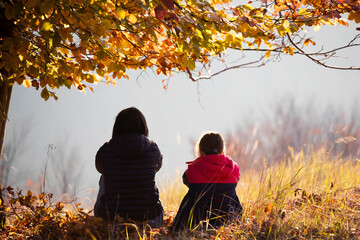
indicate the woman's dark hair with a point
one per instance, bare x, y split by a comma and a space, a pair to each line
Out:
211, 143
130, 120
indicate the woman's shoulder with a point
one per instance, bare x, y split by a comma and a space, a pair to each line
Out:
153, 147
149, 143
133, 143
103, 148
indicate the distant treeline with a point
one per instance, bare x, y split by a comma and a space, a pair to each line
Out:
288, 127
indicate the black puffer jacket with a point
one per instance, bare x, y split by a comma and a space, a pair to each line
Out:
128, 164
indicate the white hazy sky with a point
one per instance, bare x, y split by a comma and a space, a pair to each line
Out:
182, 112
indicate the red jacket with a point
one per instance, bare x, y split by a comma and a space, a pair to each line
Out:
212, 168
212, 181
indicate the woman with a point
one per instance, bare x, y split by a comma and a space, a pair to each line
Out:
128, 164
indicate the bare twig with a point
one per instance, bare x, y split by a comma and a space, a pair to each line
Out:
319, 61
253, 64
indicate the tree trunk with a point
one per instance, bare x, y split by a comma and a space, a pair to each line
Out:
5, 95
7, 27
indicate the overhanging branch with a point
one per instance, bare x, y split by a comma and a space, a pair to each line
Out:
310, 56
253, 64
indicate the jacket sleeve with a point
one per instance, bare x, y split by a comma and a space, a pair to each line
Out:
237, 172
98, 161
185, 180
159, 163
160, 158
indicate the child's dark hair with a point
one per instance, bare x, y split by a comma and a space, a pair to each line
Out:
211, 143
130, 120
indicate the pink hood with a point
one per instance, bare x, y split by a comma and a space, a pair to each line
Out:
213, 168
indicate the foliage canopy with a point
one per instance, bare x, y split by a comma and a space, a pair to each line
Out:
48, 44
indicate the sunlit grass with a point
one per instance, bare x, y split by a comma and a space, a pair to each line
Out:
307, 196
172, 190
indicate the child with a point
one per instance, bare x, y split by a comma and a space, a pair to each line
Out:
212, 179
128, 163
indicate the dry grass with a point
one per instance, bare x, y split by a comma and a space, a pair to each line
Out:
308, 196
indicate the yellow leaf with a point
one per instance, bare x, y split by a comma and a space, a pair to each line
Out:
26, 83
97, 78
110, 4
250, 45
46, 26
302, 11
121, 13
248, 7
267, 54
132, 18
317, 28
286, 24
291, 51
190, 63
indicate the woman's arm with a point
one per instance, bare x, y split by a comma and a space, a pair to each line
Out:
98, 161
159, 163
159, 157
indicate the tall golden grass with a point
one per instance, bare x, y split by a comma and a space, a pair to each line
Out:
306, 196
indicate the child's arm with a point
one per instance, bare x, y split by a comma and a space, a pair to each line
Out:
185, 180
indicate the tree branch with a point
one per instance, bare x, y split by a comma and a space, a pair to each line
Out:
254, 64
317, 60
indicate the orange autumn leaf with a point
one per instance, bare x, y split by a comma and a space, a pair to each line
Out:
268, 207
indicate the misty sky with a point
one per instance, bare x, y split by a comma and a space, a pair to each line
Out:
83, 122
